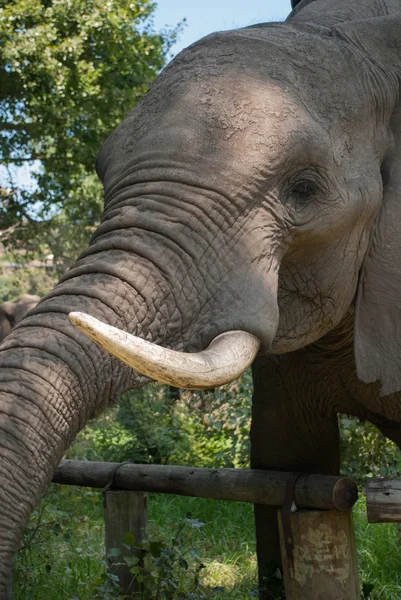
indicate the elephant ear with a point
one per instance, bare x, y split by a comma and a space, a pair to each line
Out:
378, 306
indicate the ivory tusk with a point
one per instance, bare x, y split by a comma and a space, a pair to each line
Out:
225, 359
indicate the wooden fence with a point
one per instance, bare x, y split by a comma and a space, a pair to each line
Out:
315, 522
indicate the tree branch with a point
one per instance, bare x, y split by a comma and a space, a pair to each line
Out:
10, 159
17, 126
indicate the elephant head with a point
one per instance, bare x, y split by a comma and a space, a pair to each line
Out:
11, 313
252, 191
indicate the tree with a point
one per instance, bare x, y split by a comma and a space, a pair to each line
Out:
70, 70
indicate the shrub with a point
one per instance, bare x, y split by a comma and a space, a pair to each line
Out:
166, 568
365, 452
146, 427
219, 422
152, 425
25, 280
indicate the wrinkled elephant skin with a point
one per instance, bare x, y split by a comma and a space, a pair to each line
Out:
257, 188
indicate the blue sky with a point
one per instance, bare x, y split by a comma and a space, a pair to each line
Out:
206, 16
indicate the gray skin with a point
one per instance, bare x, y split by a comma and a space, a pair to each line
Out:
255, 187
12, 313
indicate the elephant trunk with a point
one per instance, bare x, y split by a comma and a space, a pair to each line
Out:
53, 380
158, 267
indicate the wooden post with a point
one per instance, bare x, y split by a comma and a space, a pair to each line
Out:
383, 500
9, 590
124, 512
323, 565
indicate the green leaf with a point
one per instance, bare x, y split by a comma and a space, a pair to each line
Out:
57, 528
70, 72
156, 548
131, 561
128, 539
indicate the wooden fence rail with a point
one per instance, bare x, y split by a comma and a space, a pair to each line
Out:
239, 485
316, 529
383, 500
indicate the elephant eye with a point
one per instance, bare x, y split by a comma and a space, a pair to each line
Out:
303, 190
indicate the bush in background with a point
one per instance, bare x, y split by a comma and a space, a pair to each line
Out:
146, 427
211, 429
219, 423
25, 280
155, 425
365, 452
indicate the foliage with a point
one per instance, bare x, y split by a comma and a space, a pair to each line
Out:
24, 280
365, 452
67, 561
155, 419
70, 70
146, 428
64, 557
378, 549
219, 423
61, 553
165, 567
152, 426
211, 429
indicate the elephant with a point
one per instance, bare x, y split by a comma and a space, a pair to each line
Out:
252, 210
11, 313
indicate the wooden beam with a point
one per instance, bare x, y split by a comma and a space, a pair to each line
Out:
125, 514
239, 485
9, 590
383, 500
323, 561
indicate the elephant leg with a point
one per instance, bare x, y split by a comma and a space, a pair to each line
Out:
288, 433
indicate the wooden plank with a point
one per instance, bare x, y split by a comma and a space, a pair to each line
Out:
324, 564
383, 500
239, 485
124, 513
9, 590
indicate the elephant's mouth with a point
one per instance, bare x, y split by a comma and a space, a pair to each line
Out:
225, 359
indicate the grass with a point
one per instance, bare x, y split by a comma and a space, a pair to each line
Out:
226, 544
379, 556
62, 556
65, 558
